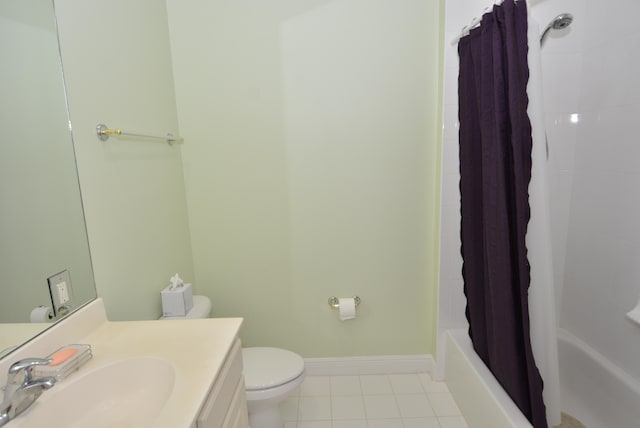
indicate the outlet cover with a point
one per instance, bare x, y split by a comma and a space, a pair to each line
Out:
61, 292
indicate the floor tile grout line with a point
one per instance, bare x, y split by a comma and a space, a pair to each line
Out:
361, 395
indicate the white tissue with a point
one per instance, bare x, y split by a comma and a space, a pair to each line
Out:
347, 308
634, 314
176, 282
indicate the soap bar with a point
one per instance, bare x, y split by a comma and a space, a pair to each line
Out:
65, 361
62, 355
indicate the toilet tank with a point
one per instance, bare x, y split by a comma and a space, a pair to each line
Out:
201, 309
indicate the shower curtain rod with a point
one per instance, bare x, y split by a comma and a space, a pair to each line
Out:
475, 22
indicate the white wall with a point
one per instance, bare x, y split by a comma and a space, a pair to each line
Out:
118, 71
591, 101
312, 167
451, 299
602, 274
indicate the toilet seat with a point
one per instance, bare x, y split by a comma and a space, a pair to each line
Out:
266, 368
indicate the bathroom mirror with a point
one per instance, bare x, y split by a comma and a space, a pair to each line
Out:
41, 223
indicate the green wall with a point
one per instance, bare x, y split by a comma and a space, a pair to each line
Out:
312, 167
117, 66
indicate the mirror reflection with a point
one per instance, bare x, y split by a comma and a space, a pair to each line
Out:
44, 253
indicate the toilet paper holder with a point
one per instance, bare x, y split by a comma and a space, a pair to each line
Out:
334, 302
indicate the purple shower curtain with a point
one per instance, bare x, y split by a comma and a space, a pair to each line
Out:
495, 169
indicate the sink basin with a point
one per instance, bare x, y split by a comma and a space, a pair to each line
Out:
127, 393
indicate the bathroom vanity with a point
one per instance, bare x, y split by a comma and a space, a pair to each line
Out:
226, 404
161, 374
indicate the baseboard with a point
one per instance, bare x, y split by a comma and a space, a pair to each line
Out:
384, 364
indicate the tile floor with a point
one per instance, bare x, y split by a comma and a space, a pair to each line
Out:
372, 401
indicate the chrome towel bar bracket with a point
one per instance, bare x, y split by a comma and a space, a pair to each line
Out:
104, 132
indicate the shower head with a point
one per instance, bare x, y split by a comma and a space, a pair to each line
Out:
560, 22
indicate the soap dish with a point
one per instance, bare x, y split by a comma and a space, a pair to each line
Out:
65, 361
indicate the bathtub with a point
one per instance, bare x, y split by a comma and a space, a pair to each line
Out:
481, 399
592, 389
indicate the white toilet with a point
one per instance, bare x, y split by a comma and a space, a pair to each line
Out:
270, 374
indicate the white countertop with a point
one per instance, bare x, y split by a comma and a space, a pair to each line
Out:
196, 348
15, 334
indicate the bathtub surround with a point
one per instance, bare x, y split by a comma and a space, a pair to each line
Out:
601, 155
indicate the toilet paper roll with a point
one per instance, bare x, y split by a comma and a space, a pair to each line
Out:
347, 308
41, 314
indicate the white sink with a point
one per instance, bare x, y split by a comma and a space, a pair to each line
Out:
126, 393
139, 376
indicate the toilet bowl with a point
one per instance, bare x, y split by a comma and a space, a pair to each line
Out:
270, 374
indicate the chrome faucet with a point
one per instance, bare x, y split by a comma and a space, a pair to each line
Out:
22, 390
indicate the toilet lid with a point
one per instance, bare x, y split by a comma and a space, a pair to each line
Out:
270, 367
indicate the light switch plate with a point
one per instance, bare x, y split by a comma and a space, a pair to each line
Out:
61, 292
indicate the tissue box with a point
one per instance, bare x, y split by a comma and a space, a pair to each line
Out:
177, 302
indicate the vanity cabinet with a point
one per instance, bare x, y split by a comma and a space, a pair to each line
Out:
226, 403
